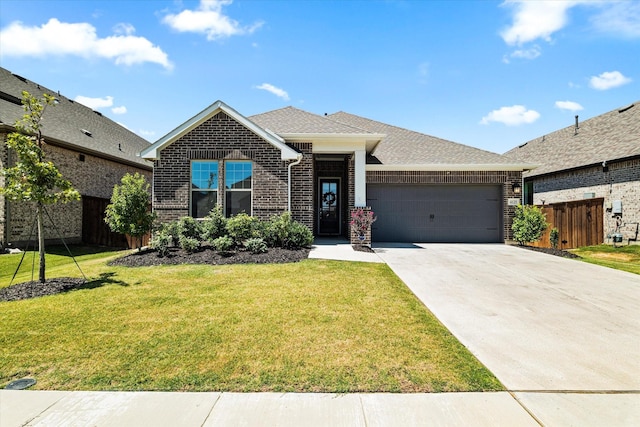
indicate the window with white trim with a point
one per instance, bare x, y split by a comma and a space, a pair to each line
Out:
204, 187
237, 181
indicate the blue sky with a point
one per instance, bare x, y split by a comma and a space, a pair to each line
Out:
488, 74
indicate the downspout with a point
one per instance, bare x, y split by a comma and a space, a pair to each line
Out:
298, 160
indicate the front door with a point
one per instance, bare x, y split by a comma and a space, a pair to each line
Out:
329, 220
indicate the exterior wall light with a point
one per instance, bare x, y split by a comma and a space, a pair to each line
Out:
517, 188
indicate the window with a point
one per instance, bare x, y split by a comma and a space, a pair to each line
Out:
204, 187
237, 180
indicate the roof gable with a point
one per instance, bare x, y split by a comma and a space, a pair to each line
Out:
287, 153
290, 120
70, 124
609, 136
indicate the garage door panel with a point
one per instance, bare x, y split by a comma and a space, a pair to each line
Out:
436, 213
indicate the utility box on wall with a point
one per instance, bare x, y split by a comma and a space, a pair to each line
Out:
616, 207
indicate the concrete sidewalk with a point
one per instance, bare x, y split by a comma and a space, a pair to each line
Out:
123, 409
341, 250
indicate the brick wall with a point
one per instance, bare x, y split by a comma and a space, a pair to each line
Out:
94, 177
222, 138
620, 182
3, 204
504, 178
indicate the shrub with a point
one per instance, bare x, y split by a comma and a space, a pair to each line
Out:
361, 221
214, 225
189, 228
299, 236
189, 244
242, 227
282, 231
528, 224
256, 245
554, 237
223, 244
161, 242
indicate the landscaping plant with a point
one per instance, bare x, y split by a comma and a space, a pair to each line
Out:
129, 213
361, 221
528, 224
33, 178
554, 237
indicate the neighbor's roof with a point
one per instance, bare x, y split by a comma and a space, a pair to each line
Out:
70, 124
414, 149
610, 136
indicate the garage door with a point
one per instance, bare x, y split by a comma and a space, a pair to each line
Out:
436, 213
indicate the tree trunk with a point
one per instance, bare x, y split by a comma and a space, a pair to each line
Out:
41, 242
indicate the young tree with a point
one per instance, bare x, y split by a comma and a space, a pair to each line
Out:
34, 179
128, 213
528, 224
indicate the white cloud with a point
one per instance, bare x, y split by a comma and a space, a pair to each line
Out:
608, 80
94, 103
281, 93
423, 72
511, 116
119, 110
535, 20
531, 53
622, 18
146, 133
209, 19
569, 105
57, 38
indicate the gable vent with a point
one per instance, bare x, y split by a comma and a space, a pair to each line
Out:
86, 132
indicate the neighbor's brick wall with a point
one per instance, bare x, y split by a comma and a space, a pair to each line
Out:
505, 178
222, 138
621, 182
94, 177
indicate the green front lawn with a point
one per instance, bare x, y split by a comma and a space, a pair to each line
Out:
626, 258
313, 326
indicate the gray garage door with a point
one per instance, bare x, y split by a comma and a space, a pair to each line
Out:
436, 213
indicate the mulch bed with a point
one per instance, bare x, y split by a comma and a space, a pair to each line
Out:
207, 255
36, 289
551, 251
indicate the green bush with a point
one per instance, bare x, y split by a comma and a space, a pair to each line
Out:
223, 244
189, 244
528, 224
161, 242
299, 236
214, 224
189, 228
282, 231
256, 245
554, 237
242, 227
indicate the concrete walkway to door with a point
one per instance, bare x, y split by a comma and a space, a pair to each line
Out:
542, 324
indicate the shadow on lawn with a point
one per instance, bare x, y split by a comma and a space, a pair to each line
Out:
103, 279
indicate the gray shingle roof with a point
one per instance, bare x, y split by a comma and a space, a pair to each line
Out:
610, 136
403, 146
64, 122
292, 120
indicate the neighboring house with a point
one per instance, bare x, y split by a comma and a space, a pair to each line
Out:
599, 159
90, 150
421, 188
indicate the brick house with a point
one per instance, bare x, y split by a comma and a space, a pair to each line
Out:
319, 168
596, 160
90, 150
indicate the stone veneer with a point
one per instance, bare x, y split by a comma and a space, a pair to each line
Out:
94, 177
620, 182
505, 178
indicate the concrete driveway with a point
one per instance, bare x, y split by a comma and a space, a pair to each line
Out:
538, 322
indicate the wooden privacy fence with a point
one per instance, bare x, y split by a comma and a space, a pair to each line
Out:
579, 223
96, 232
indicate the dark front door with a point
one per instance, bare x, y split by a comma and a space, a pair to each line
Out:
329, 220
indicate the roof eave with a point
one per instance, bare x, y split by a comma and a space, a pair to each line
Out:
453, 167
